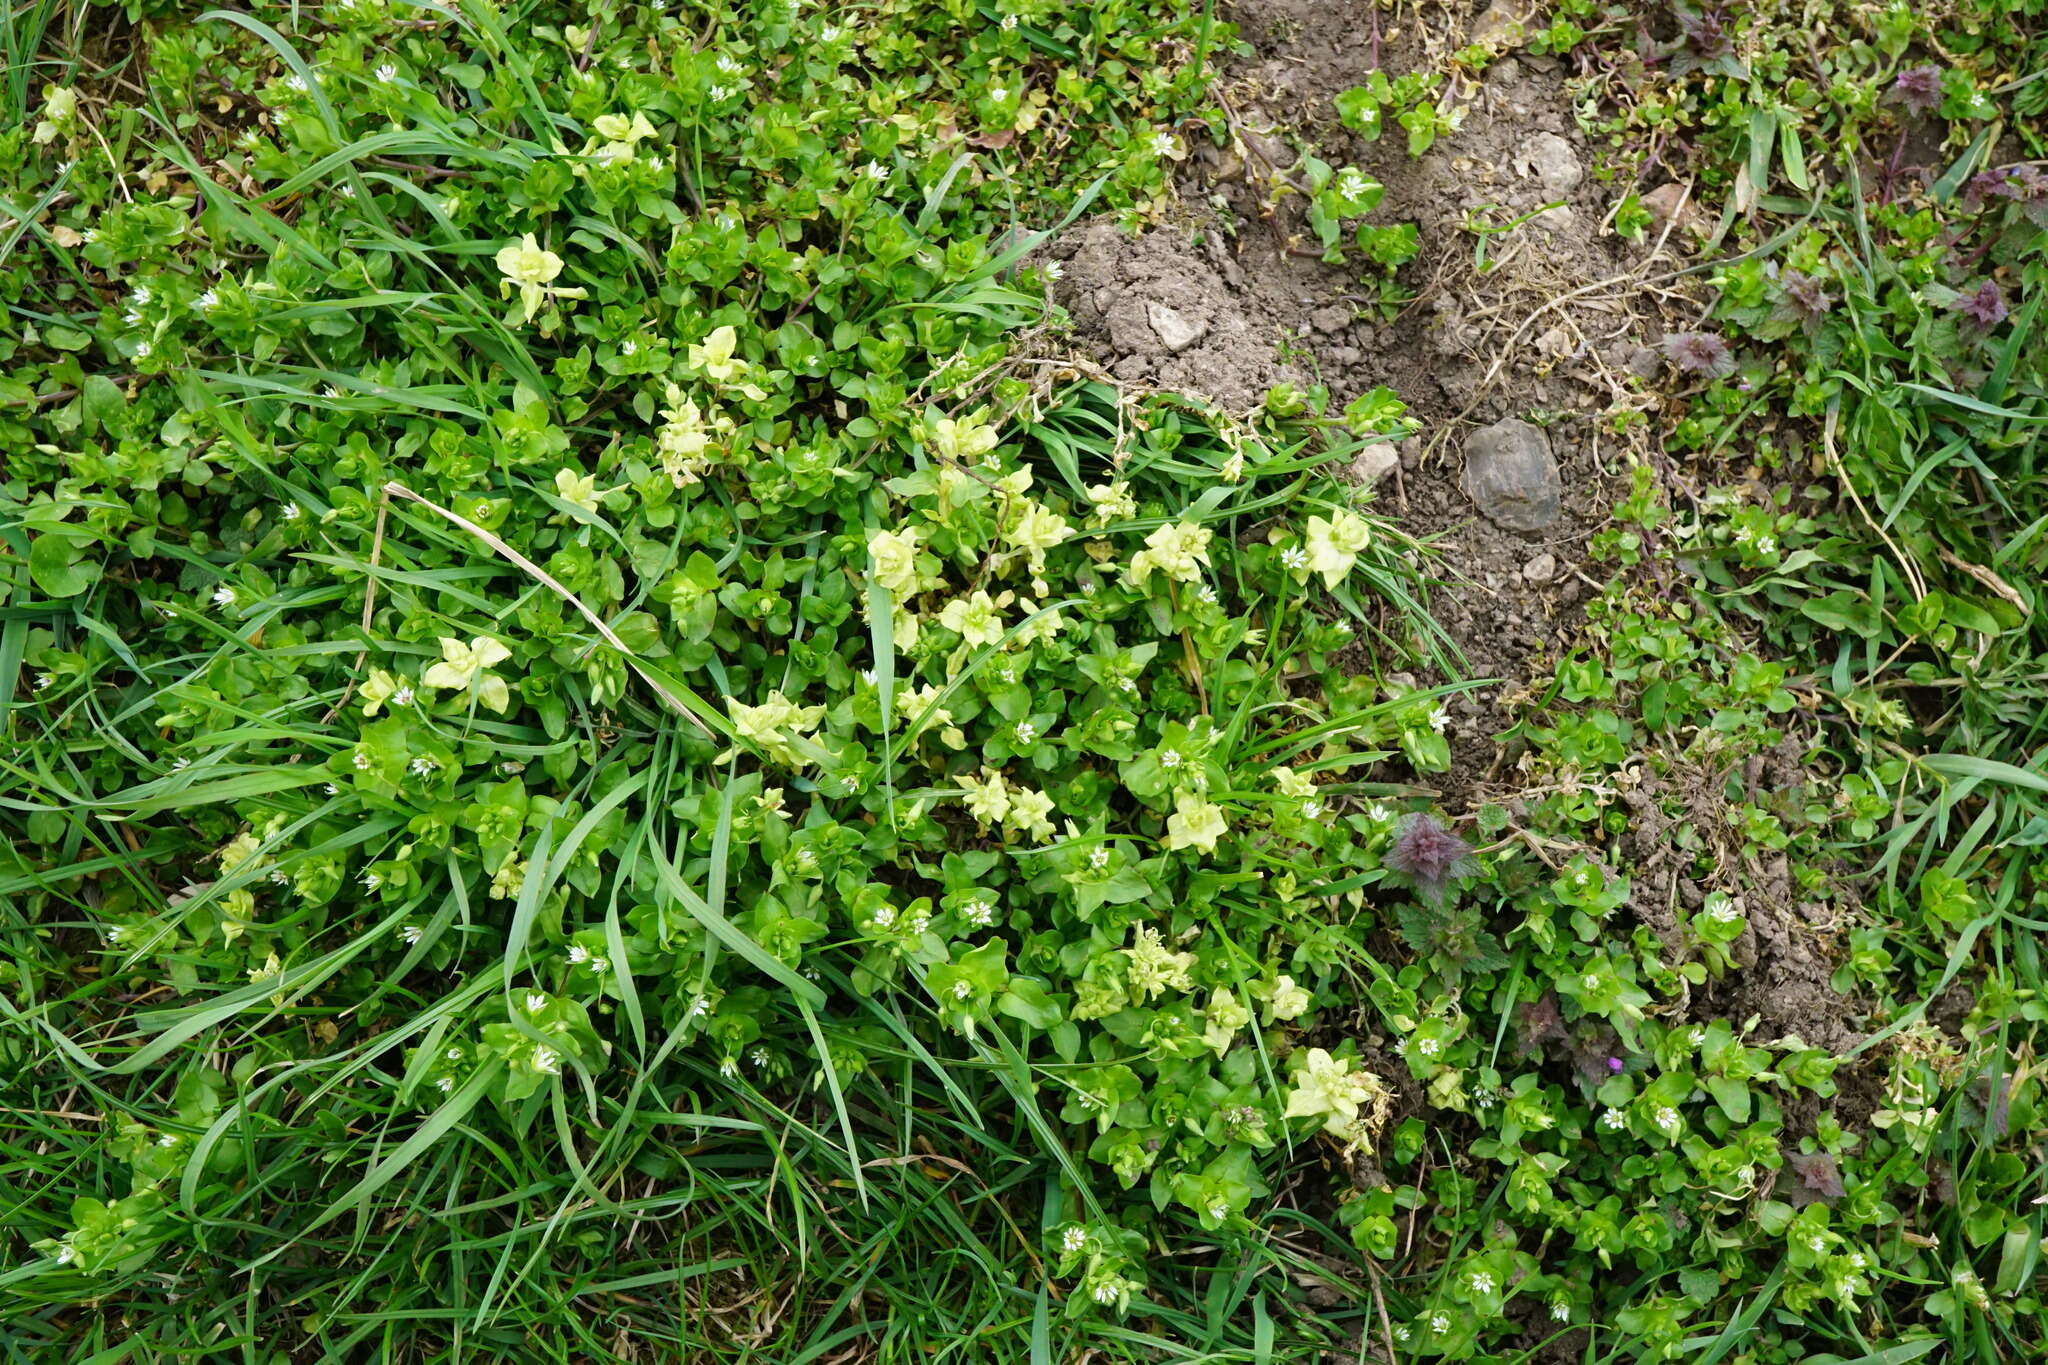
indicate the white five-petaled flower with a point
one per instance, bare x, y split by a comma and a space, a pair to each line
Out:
1098, 856
759, 1056
1482, 1283
547, 1061
980, 913
43, 680
877, 171
1428, 1047
1294, 557
1073, 1239
224, 596
1105, 1293
535, 1002
1440, 1322
1009, 21
295, 82
412, 933
361, 760
208, 301
403, 696
1561, 1312
371, 881
167, 1140
387, 73
445, 1084
1667, 1117
997, 94
1439, 719
1026, 732
1163, 144
131, 317
141, 295
1169, 758
292, 511
180, 765
142, 348
1614, 1119
722, 92
961, 990
1054, 270
1311, 810
422, 767
1207, 593
578, 954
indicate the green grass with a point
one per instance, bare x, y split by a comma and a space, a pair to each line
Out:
309, 1056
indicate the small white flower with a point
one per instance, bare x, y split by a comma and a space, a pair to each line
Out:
578, 954
292, 511
403, 696
208, 301
1128, 684
1590, 982
445, 1084
1098, 857
1163, 144
347, 191
1380, 814
547, 1061
919, 923
141, 295
729, 1068
361, 760
1009, 21
422, 767
699, 1007
722, 92
1104, 1293
167, 1140
386, 74
1696, 1036
371, 881
1207, 592
1026, 732
628, 346
1402, 1334
1482, 1283
831, 33
1219, 1211
1169, 758
759, 1057
131, 317
1055, 270
997, 94
142, 348
1765, 544
277, 876
535, 1002
223, 596
331, 789
43, 680
1561, 1312
1073, 1239
961, 990
295, 82
1311, 810
412, 933
980, 913
66, 1254
1614, 1119
877, 171
884, 917
1439, 1322
1428, 1047
180, 765
1667, 1118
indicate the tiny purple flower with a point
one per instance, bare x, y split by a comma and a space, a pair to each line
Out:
1985, 306
1919, 88
1699, 353
1614, 1064
1429, 856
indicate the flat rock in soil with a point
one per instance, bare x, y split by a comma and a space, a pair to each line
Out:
1176, 332
1511, 476
1373, 463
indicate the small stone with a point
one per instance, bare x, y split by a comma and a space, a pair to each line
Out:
1511, 476
1334, 318
1541, 569
1553, 162
1175, 331
1374, 462
1644, 362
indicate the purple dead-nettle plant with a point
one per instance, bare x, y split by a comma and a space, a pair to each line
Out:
1919, 88
1984, 305
1805, 299
1700, 353
1996, 183
1429, 857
